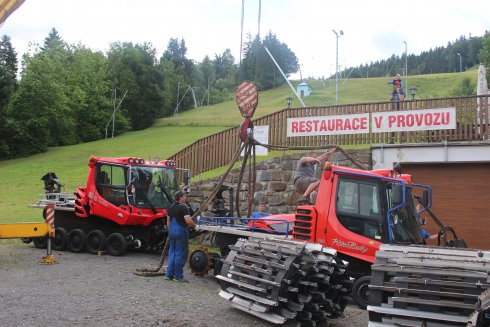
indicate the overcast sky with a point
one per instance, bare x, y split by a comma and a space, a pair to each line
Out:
373, 30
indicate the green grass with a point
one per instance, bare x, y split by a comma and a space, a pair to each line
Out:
20, 178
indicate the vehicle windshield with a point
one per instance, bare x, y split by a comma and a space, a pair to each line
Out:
152, 187
403, 221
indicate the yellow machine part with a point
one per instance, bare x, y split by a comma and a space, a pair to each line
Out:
25, 230
7, 7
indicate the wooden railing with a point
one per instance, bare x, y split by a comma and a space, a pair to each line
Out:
217, 150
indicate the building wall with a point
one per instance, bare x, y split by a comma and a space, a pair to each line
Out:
459, 173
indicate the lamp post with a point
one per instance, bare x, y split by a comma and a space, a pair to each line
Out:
460, 63
406, 68
337, 65
289, 100
413, 91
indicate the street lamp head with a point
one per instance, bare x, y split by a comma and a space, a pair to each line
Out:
413, 91
337, 34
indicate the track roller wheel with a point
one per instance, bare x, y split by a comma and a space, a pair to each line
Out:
40, 242
60, 240
285, 281
96, 241
76, 240
200, 261
360, 291
116, 244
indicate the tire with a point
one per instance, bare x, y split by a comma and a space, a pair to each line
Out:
60, 241
76, 240
116, 244
217, 264
96, 241
40, 242
360, 291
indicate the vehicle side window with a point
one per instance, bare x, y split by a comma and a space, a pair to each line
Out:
111, 183
358, 208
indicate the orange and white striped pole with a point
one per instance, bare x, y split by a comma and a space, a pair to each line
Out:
50, 222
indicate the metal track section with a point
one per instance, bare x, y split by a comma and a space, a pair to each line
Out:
428, 286
283, 281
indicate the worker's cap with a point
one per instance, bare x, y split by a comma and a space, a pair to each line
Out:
179, 194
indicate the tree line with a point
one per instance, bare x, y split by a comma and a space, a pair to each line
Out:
463, 53
67, 94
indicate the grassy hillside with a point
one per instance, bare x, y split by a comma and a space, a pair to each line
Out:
20, 179
360, 90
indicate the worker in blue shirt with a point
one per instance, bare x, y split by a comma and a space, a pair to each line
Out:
261, 212
425, 234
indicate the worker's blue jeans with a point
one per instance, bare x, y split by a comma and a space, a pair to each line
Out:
177, 253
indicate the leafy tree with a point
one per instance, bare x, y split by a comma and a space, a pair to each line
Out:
41, 103
54, 43
259, 67
8, 84
40, 108
133, 69
176, 52
249, 67
484, 54
208, 73
224, 66
184, 71
89, 96
166, 68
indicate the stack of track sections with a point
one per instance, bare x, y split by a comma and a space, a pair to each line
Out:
429, 286
285, 282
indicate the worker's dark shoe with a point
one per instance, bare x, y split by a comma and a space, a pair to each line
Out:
168, 278
304, 201
182, 280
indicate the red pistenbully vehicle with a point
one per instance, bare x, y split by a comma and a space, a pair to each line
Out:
355, 212
122, 206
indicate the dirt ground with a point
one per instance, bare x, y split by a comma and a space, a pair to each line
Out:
89, 290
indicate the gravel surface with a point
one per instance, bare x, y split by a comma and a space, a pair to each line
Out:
90, 290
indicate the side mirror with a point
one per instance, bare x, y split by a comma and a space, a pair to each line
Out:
425, 198
397, 193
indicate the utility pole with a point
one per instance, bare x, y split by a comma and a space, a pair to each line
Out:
460, 63
406, 68
337, 65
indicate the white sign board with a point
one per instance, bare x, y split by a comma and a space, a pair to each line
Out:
388, 121
328, 125
261, 134
414, 120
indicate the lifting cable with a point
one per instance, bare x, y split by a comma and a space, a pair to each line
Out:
151, 272
310, 148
